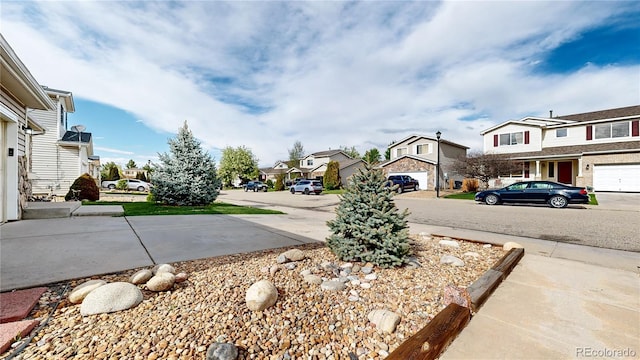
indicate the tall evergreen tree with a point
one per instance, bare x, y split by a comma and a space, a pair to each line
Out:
368, 226
186, 175
331, 178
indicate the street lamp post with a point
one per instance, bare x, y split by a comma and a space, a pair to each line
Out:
438, 166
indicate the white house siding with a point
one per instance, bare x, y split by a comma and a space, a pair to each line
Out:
535, 140
45, 153
68, 168
11, 120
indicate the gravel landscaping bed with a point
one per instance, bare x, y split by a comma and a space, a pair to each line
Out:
305, 322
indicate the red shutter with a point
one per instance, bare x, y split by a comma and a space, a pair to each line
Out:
589, 132
635, 128
526, 137
495, 140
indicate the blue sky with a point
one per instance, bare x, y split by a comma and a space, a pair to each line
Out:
327, 73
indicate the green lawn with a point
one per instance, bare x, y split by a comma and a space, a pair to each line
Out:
462, 196
338, 191
146, 208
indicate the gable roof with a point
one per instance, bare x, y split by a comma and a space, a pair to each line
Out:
604, 114
328, 153
66, 96
388, 162
417, 137
346, 163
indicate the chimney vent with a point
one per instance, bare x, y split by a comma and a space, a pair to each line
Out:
551, 113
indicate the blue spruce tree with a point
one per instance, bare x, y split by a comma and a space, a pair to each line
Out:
187, 175
368, 226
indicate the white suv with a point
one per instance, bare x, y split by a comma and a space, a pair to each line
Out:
307, 187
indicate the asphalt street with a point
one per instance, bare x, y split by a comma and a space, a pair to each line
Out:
600, 226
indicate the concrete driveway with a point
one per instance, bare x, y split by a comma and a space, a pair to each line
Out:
37, 252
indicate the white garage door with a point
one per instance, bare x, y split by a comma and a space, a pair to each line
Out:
616, 177
420, 176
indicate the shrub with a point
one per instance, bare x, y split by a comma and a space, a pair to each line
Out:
269, 184
280, 182
331, 177
86, 189
470, 185
368, 226
122, 184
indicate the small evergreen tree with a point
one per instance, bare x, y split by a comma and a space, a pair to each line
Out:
331, 178
114, 173
368, 226
279, 182
187, 175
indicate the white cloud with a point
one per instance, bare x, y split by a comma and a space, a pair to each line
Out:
324, 73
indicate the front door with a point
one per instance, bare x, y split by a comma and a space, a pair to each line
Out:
565, 172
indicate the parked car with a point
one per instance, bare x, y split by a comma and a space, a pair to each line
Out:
255, 186
132, 184
555, 194
307, 187
404, 182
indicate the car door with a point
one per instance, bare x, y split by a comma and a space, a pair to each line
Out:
537, 192
514, 192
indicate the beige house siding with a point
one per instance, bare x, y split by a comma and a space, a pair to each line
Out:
43, 170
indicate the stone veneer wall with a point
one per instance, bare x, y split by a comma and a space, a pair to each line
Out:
24, 184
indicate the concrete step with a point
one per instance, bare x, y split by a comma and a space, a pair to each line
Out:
49, 210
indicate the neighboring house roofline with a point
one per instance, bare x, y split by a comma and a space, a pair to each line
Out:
67, 97
442, 141
17, 78
326, 153
407, 156
603, 114
511, 122
579, 150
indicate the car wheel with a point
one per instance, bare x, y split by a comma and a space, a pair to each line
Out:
293, 191
415, 188
306, 191
558, 201
141, 188
400, 189
111, 186
264, 189
491, 199
245, 189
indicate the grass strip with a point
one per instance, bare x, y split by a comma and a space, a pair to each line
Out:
219, 208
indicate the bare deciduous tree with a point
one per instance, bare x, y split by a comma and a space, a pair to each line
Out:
485, 167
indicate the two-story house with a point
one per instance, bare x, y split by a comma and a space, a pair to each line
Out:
20, 94
280, 167
312, 164
599, 149
417, 156
60, 154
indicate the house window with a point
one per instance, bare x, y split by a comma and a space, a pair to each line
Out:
400, 152
512, 139
423, 149
309, 162
561, 132
613, 130
552, 170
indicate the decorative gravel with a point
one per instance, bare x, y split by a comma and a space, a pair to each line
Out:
306, 321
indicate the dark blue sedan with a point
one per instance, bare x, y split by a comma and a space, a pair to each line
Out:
540, 192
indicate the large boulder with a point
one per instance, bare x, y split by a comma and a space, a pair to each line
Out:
261, 295
81, 291
111, 298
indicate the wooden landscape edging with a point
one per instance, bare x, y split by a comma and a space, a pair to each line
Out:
434, 338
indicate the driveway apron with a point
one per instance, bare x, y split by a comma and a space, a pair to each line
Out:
36, 252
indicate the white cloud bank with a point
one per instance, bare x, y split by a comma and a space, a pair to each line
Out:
265, 74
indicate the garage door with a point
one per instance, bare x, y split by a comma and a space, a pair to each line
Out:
616, 177
420, 176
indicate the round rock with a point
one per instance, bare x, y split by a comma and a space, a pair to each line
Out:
163, 281
450, 259
384, 320
261, 295
449, 243
181, 277
110, 298
313, 279
141, 277
81, 291
222, 351
294, 255
163, 268
333, 285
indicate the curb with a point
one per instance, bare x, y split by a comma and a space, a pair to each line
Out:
431, 341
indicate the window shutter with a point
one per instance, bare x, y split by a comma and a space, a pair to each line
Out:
495, 140
635, 128
526, 137
589, 132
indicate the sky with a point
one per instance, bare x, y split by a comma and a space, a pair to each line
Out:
265, 74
